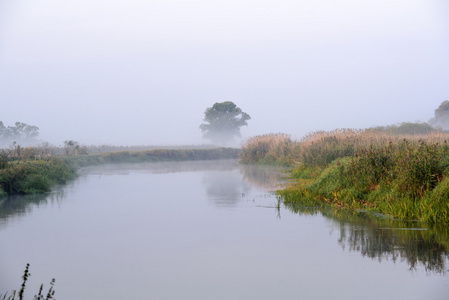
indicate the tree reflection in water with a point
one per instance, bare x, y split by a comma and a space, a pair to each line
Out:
226, 186
383, 239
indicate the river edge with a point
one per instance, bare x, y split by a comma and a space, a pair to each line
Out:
38, 176
405, 177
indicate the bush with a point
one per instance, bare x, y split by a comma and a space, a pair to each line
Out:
34, 176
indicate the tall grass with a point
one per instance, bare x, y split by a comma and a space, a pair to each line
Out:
322, 147
401, 175
268, 149
39, 296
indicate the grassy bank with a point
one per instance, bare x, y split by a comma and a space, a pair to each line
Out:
30, 176
404, 176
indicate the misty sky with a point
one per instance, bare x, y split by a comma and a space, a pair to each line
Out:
142, 72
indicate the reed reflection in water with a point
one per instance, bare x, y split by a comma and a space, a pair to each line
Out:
384, 239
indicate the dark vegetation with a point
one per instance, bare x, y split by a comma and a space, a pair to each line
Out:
223, 121
33, 176
41, 295
388, 170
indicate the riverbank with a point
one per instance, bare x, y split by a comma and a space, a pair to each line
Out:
403, 176
33, 176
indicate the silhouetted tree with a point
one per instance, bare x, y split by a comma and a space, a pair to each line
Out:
223, 121
441, 119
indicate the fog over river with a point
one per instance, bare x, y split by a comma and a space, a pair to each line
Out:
209, 230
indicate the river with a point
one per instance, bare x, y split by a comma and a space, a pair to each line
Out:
209, 230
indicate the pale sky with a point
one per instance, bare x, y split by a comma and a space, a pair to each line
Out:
143, 72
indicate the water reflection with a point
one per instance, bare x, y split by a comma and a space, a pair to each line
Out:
21, 205
161, 167
386, 239
225, 188
227, 184
266, 177
225, 181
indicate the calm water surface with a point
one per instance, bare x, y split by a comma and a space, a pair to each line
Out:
209, 230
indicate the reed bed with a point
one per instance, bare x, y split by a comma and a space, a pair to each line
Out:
322, 147
402, 175
268, 149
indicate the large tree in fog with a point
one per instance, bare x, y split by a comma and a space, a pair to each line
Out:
441, 119
223, 121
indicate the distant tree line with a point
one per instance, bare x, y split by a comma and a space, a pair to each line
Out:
20, 133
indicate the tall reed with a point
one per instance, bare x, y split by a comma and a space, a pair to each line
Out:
400, 175
268, 149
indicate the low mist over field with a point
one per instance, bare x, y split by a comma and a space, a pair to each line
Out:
144, 72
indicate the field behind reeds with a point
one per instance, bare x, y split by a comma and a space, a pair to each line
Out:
401, 175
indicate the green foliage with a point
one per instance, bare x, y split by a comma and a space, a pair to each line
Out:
34, 176
403, 176
223, 122
3, 162
405, 180
435, 203
411, 168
